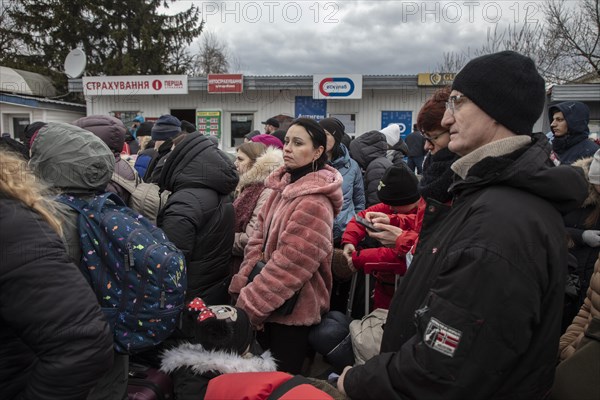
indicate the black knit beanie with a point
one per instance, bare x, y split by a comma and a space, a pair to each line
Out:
333, 126
145, 129
166, 127
507, 87
336, 128
398, 187
187, 126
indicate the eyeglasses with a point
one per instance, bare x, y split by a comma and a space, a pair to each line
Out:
433, 139
454, 102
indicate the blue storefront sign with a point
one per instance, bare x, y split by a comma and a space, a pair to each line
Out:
308, 107
402, 118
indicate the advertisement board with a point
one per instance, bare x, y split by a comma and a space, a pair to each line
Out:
402, 118
306, 106
225, 83
134, 85
337, 86
436, 79
209, 122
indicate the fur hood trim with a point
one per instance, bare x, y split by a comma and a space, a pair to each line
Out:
264, 165
201, 361
593, 198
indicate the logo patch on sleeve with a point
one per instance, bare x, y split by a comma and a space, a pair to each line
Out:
441, 337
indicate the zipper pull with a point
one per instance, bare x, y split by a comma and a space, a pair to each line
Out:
163, 299
131, 257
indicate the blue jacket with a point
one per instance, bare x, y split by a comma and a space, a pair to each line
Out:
143, 160
354, 192
575, 145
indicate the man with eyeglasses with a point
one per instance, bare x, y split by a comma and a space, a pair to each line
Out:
478, 314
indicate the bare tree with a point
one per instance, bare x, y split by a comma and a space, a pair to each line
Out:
564, 47
523, 38
213, 56
453, 61
571, 39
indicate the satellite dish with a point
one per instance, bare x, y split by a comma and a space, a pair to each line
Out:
75, 63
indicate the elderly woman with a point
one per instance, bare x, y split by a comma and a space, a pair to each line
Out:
254, 162
294, 240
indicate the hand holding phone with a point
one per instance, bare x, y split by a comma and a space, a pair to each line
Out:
366, 223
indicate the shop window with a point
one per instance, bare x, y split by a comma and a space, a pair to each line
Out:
241, 124
349, 121
125, 116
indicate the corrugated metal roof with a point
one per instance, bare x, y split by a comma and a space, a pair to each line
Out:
576, 92
258, 82
35, 102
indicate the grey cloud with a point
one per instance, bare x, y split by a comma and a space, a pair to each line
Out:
370, 38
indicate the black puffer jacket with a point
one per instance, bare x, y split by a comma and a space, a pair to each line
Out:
370, 150
478, 314
199, 216
54, 340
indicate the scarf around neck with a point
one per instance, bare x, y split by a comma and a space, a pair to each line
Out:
245, 203
437, 176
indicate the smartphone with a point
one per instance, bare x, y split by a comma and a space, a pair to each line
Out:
367, 224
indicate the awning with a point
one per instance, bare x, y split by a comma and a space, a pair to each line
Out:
24, 82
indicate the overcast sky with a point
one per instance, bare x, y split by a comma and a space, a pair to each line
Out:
363, 37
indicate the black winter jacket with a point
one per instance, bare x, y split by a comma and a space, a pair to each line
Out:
155, 165
199, 216
54, 341
370, 150
478, 314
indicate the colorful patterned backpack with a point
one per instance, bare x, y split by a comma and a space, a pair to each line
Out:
138, 276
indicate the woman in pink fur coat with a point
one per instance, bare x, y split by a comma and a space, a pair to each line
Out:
297, 224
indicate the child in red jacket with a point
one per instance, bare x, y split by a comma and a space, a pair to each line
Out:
399, 197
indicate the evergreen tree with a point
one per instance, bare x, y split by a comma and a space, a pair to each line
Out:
119, 37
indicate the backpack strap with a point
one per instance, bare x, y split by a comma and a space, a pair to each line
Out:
285, 387
100, 200
76, 203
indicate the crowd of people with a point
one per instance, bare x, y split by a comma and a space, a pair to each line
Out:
494, 228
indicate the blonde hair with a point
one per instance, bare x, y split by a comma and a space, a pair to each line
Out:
18, 182
144, 140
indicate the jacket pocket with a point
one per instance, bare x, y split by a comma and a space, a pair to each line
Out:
445, 336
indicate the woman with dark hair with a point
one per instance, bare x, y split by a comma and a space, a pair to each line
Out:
294, 240
353, 189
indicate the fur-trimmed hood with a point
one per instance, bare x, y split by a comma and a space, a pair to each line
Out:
593, 198
202, 361
263, 166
